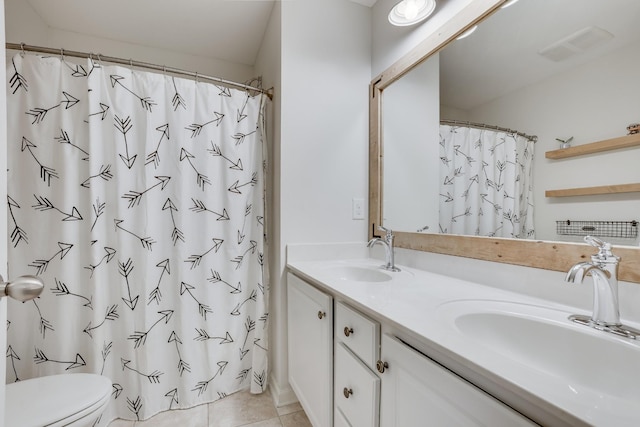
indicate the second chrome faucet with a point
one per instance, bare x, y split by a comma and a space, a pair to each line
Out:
603, 269
387, 242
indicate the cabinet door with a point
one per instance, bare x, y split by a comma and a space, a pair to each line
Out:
417, 392
310, 324
340, 420
357, 389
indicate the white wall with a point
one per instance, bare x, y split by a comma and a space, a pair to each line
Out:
23, 25
326, 69
268, 65
569, 104
451, 113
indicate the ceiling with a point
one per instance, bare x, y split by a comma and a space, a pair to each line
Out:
232, 31
502, 55
229, 30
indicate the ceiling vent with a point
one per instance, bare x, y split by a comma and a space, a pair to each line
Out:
575, 43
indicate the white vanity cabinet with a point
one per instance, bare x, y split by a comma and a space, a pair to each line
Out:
416, 391
347, 373
310, 325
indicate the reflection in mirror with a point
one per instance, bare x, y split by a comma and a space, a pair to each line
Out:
558, 70
411, 127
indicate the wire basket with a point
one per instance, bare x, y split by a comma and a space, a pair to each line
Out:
621, 229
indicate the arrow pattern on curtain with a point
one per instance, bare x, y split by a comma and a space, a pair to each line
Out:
155, 269
486, 183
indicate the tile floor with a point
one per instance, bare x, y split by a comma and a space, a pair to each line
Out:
239, 409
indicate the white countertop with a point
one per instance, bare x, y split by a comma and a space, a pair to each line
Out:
419, 301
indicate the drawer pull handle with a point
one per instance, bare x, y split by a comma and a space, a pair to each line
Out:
347, 392
321, 314
348, 331
382, 366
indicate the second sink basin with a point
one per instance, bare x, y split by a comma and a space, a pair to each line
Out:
540, 338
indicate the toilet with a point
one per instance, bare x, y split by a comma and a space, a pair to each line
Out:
57, 400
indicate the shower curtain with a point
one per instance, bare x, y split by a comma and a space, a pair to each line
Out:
486, 183
139, 199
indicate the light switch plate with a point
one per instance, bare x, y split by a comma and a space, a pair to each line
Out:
357, 208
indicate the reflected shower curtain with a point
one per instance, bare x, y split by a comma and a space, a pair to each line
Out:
139, 199
486, 183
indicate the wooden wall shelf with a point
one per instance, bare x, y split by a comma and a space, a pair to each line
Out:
592, 191
595, 147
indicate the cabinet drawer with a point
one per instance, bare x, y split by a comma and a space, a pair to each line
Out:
359, 333
357, 390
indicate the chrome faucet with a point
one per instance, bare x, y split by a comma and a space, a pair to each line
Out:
603, 269
387, 242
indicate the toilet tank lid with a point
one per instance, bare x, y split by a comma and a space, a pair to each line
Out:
45, 400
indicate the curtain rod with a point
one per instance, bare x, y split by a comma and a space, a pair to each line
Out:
533, 138
23, 47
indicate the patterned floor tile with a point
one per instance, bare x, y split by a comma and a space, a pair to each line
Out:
192, 417
288, 409
240, 409
296, 419
273, 422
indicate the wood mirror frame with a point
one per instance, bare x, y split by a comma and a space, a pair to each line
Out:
558, 256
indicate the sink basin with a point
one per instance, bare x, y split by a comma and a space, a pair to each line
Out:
358, 273
543, 339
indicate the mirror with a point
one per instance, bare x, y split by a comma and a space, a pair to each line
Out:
562, 69
552, 69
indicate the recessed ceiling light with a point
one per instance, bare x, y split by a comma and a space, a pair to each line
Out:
467, 33
409, 12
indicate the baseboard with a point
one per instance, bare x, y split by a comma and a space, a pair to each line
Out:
281, 395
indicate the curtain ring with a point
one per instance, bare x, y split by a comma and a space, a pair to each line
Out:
93, 62
164, 70
22, 52
61, 54
196, 77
